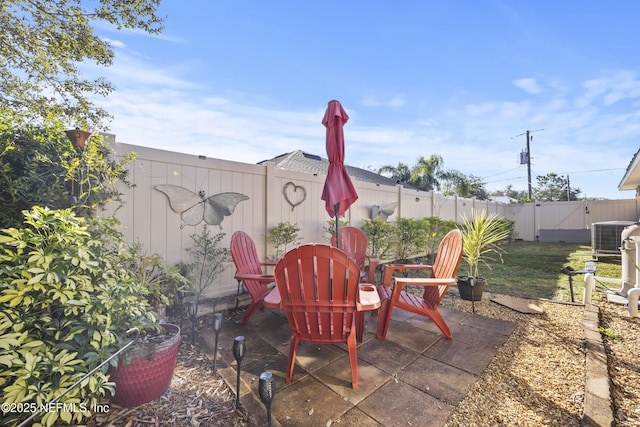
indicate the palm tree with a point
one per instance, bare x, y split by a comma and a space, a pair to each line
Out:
400, 173
424, 174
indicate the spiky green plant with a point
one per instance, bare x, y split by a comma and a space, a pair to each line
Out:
481, 234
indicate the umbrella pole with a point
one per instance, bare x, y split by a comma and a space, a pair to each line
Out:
336, 209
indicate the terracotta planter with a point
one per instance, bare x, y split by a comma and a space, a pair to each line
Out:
469, 292
145, 372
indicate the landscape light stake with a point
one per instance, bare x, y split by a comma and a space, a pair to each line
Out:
266, 389
192, 307
217, 325
181, 306
472, 283
239, 348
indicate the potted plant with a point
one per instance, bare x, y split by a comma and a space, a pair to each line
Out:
481, 234
144, 373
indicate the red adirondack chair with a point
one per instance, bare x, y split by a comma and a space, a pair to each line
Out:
249, 271
355, 242
318, 285
443, 275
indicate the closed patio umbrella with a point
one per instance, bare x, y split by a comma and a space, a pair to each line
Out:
338, 192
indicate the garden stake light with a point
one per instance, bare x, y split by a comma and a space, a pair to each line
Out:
192, 307
266, 389
472, 284
239, 348
217, 325
181, 306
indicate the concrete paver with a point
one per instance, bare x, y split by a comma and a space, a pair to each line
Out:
414, 377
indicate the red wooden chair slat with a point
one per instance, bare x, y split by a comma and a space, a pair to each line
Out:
443, 275
318, 285
245, 258
355, 243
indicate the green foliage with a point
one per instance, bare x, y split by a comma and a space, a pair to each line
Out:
380, 234
209, 260
43, 44
409, 238
39, 167
612, 335
66, 298
162, 282
435, 229
481, 234
423, 175
330, 227
283, 235
553, 187
456, 182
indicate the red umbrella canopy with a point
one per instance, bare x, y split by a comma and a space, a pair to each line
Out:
339, 192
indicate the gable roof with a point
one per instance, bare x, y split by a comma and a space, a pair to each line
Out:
631, 178
300, 161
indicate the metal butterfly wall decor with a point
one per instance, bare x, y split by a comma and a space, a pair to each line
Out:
195, 207
383, 212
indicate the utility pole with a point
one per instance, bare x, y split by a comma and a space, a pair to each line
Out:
529, 164
528, 158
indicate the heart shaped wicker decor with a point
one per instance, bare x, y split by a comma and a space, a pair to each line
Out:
288, 191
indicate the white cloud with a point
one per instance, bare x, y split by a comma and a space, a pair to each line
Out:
529, 85
393, 102
115, 43
157, 107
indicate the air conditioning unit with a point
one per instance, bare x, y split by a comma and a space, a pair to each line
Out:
605, 237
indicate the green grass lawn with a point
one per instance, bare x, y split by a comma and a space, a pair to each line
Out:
533, 269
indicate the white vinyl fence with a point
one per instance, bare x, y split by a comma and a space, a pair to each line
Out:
277, 196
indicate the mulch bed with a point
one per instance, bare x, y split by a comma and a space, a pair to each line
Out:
196, 397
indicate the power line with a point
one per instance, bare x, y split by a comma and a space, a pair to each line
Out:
501, 173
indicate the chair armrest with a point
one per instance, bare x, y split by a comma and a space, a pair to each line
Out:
367, 298
373, 264
389, 269
264, 278
424, 281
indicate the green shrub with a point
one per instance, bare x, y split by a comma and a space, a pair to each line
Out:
380, 234
435, 230
40, 167
283, 235
66, 298
209, 260
409, 238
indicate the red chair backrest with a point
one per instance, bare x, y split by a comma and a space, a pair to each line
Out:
446, 263
354, 242
245, 258
318, 285
244, 254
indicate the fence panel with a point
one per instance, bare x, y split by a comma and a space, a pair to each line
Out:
277, 196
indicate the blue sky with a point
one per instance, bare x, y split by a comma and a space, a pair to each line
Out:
249, 80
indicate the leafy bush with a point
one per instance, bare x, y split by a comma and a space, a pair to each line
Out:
283, 235
409, 238
66, 298
380, 235
163, 282
435, 230
209, 260
40, 167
